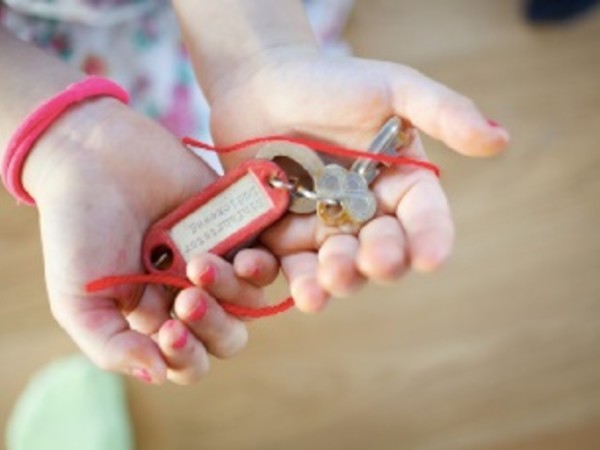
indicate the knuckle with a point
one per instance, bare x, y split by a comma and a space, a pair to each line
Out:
232, 342
190, 376
455, 105
390, 273
401, 71
340, 277
449, 114
386, 271
464, 103
103, 361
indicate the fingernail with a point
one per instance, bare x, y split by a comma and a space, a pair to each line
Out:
208, 275
174, 328
181, 340
142, 374
199, 310
499, 129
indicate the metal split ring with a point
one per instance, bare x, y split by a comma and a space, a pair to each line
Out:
301, 191
278, 183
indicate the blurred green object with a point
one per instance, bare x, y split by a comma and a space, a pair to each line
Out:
70, 405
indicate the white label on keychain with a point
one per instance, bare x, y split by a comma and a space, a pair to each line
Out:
225, 216
230, 210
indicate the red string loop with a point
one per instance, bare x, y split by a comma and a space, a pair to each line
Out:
183, 283
321, 147
237, 310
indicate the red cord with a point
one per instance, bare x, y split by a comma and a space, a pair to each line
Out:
48, 112
318, 146
237, 310
183, 283
114, 280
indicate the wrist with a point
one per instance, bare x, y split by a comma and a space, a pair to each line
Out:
245, 70
229, 37
37, 123
107, 148
69, 139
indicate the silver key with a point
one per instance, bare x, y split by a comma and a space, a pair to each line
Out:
362, 207
331, 182
385, 143
302, 165
358, 202
350, 188
344, 196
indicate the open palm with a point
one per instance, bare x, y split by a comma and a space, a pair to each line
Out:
345, 101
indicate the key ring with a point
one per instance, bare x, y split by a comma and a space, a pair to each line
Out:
297, 189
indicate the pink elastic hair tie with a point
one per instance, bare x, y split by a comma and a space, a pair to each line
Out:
40, 120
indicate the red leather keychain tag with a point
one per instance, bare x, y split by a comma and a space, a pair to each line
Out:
224, 217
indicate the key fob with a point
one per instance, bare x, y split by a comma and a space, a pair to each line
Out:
227, 215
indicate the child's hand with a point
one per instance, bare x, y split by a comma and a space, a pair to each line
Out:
345, 101
202, 326
100, 177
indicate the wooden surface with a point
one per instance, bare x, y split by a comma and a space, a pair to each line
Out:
500, 350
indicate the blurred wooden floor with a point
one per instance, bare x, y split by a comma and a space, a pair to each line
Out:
501, 350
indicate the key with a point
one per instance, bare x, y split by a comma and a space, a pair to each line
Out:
303, 167
385, 142
329, 187
344, 196
224, 217
356, 203
359, 203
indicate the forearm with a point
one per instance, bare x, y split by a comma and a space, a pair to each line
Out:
27, 77
223, 35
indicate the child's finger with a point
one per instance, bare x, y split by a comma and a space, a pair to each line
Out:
151, 311
222, 335
100, 330
185, 355
217, 276
443, 113
416, 198
337, 265
292, 234
382, 252
300, 270
301, 232
425, 216
256, 265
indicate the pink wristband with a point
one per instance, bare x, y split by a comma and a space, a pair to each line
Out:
40, 120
